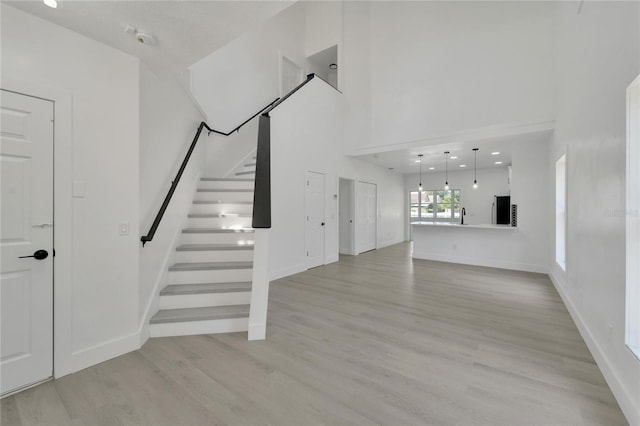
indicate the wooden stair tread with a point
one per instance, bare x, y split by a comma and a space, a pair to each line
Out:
218, 215
217, 231
213, 247
223, 202
212, 179
200, 314
245, 173
208, 288
223, 190
209, 266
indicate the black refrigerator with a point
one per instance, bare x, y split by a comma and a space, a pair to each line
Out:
503, 207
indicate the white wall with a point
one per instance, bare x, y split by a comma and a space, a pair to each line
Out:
103, 85
440, 68
168, 123
530, 180
477, 202
306, 135
597, 55
237, 80
355, 73
323, 27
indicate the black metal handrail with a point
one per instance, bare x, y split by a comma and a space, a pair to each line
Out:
156, 222
262, 188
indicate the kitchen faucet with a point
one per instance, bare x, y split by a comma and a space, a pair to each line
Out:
462, 215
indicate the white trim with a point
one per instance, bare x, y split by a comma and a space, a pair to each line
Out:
493, 263
630, 407
285, 272
63, 217
257, 331
105, 351
467, 135
388, 243
632, 230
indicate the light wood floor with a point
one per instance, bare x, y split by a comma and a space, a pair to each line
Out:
374, 339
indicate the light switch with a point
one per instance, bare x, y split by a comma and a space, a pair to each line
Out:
124, 229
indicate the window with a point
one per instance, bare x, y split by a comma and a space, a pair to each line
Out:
632, 329
434, 206
561, 212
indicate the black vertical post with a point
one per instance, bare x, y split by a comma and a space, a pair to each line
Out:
262, 188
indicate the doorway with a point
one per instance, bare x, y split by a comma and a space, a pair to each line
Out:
367, 212
315, 219
346, 204
26, 245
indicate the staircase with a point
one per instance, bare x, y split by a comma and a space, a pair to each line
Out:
209, 287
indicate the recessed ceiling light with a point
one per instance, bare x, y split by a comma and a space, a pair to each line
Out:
333, 66
51, 3
432, 168
498, 162
453, 157
495, 153
463, 165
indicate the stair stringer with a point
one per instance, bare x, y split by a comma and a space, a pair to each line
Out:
153, 303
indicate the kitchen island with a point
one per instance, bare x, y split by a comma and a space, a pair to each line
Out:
498, 246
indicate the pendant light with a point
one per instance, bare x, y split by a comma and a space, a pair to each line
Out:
475, 168
446, 171
420, 161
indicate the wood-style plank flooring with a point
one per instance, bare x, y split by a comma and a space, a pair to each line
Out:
374, 339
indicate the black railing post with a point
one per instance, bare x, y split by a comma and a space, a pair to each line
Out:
262, 189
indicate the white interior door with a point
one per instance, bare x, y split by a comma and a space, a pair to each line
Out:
26, 208
346, 216
315, 219
367, 213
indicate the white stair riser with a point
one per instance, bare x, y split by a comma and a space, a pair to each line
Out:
224, 196
226, 184
219, 222
199, 327
210, 276
217, 238
214, 256
222, 208
204, 300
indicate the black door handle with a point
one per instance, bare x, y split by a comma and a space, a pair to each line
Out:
39, 254
322, 224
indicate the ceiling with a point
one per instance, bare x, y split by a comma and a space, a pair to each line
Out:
186, 31
404, 161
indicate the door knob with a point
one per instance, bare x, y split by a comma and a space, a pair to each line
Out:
322, 224
39, 254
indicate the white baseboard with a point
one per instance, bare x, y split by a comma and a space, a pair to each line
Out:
105, 351
257, 331
388, 243
285, 272
491, 263
629, 405
331, 259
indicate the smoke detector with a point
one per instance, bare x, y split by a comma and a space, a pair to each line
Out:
141, 36
145, 38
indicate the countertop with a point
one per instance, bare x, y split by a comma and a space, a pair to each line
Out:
457, 225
